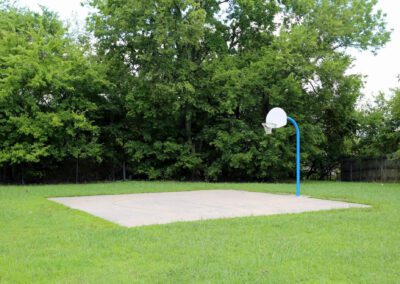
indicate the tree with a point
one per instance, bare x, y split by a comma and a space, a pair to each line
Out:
48, 92
198, 77
379, 128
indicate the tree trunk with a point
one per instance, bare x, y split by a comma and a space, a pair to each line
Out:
22, 175
265, 105
123, 171
188, 124
188, 128
237, 112
77, 170
12, 174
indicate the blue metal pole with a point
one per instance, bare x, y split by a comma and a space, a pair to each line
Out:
297, 154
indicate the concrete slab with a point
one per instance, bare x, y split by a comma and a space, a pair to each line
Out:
132, 210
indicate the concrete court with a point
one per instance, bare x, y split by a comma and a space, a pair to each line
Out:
133, 210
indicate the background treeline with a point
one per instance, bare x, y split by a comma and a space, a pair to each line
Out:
177, 89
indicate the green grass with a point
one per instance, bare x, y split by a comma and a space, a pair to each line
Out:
45, 242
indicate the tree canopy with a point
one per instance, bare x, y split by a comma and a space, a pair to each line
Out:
48, 92
379, 128
177, 89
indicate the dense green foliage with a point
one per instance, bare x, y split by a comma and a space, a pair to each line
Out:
379, 129
177, 89
48, 92
199, 77
44, 242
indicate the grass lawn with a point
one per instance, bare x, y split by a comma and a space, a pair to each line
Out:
45, 242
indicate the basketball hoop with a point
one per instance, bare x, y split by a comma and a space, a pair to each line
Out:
268, 127
277, 118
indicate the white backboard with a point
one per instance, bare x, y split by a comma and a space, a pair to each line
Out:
276, 118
